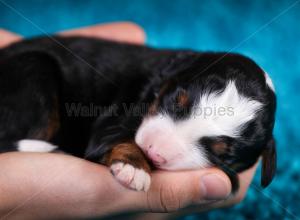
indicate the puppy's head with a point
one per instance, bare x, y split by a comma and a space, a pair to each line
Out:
222, 116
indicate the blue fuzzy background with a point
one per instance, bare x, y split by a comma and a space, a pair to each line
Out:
267, 31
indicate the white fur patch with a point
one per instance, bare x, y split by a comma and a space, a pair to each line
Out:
28, 145
131, 177
165, 137
220, 114
215, 114
269, 82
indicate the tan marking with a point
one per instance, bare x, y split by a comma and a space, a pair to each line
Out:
219, 147
183, 99
52, 126
129, 153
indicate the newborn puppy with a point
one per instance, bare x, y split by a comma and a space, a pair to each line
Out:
135, 108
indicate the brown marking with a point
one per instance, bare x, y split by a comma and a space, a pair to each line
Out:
183, 98
129, 153
219, 147
53, 123
52, 126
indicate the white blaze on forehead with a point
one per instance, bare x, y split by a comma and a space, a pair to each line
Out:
218, 114
269, 82
215, 114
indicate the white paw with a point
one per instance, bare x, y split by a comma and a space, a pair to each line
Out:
131, 177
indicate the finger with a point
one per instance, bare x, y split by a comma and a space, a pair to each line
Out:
7, 37
171, 191
119, 31
245, 179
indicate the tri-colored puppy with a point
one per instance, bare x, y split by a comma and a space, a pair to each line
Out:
135, 108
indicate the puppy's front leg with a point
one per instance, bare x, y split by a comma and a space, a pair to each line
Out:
129, 166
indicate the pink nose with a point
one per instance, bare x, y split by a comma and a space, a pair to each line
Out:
155, 157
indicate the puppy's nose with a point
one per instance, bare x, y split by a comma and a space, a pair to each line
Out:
155, 157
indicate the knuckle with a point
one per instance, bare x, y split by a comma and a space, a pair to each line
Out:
169, 199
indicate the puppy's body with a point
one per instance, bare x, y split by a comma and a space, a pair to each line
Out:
85, 71
148, 101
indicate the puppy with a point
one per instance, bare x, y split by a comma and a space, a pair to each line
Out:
135, 108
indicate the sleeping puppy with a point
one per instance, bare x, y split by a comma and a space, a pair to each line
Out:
135, 108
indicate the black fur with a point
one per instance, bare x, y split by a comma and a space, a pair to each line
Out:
43, 75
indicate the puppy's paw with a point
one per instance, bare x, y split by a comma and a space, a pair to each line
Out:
130, 176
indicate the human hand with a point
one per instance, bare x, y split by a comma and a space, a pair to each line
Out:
58, 186
49, 186
119, 31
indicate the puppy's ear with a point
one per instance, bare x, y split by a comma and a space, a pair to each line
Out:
269, 160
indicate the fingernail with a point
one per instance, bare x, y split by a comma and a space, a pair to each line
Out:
214, 187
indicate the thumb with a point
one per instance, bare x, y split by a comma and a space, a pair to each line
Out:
170, 191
